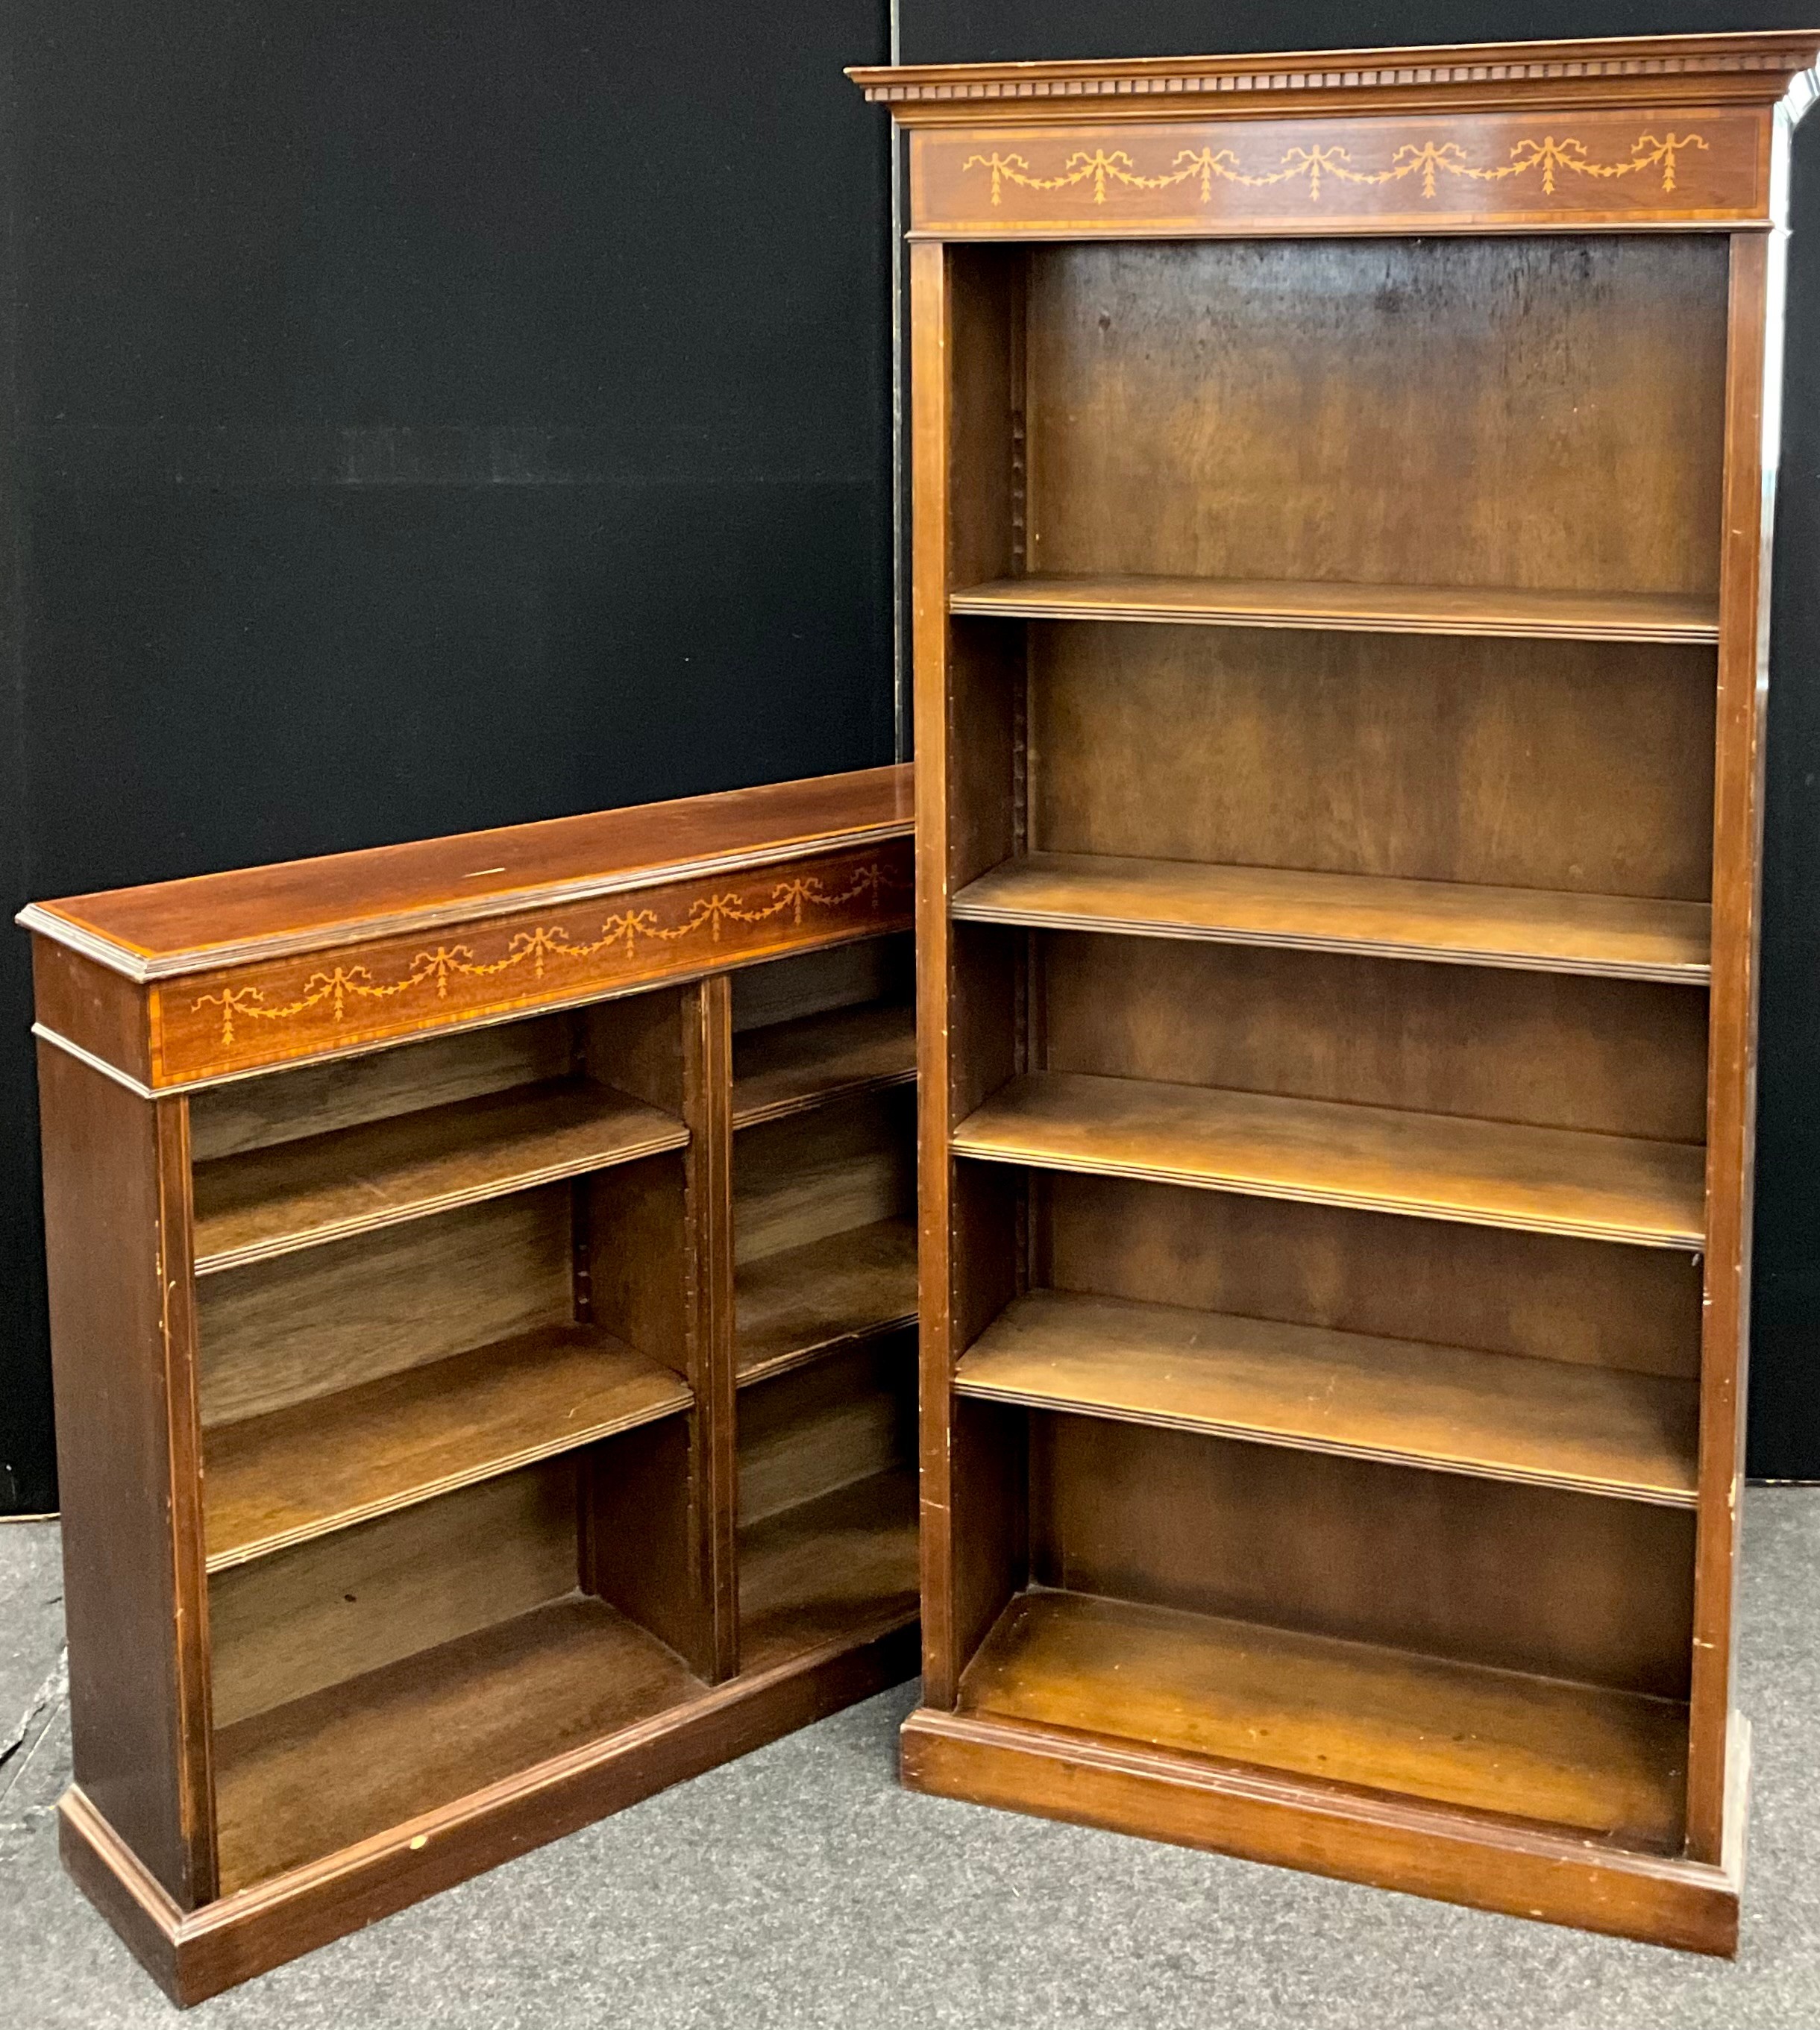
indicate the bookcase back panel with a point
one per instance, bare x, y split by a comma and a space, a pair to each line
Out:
871, 969
1563, 1584
327, 1318
330, 1610
284, 1107
1535, 413
844, 1165
1551, 1050
822, 1427
1543, 1297
1583, 766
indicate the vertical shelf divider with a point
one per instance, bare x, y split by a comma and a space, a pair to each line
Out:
708, 1087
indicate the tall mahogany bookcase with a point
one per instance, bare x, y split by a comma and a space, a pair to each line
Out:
482, 1289
1341, 510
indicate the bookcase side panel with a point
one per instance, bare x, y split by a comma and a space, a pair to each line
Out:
1751, 418
930, 412
967, 382
116, 1187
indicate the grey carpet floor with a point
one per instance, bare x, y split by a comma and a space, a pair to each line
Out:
802, 1887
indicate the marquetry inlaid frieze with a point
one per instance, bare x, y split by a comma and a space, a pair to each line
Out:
1385, 174
245, 1017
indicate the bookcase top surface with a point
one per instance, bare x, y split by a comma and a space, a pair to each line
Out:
1748, 67
170, 929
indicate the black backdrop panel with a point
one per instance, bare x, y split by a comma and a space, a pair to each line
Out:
1784, 1442
442, 414
1010, 31
437, 413
1785, 1319
329, 668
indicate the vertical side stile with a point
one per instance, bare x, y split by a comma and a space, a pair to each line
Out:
119, 1250
929, 407
1752, 377
189, 1540
709, 1087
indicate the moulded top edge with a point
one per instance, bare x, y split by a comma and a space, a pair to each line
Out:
1771, 56
172, 928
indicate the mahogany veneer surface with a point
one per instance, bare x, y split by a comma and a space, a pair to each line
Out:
171, 924
337, 1460
1622, 936
1612, 1764
1397, 609
1490, 1173
802, 1301
270, 1201
1464, 1411
786, 1066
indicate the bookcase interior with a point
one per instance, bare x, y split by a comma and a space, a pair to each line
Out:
1528, 413
1329, 815
824, 1255
453, 1405
824, 1152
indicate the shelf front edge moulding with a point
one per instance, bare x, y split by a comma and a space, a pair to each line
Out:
1377, 609
1107, 524
1620, 936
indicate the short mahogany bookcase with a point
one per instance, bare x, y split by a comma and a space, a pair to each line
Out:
483, 1290
1341, 510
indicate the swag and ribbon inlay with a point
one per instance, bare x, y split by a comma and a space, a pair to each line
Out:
1424, 163
340, 987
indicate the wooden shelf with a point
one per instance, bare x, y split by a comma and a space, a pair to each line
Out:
841, 1568
1551, 1423
342, 1764
1609, 1764
1393, 609
1320, 1152
323, 1771
299, 1194
788, 1066
1622, 937
325, 1465
801, 1302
